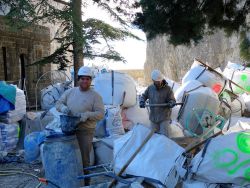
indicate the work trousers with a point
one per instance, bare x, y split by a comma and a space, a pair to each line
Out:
85, 138
161, 127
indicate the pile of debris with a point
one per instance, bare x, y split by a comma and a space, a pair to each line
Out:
208, 143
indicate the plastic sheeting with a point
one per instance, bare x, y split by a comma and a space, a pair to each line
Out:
225, 159
156, 159
114, 88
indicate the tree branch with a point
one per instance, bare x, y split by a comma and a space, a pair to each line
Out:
62, 2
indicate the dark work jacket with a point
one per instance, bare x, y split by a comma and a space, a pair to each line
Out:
158, 96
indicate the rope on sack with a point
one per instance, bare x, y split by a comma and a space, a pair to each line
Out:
201, 73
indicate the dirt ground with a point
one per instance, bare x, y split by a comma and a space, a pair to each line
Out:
19, 179
20, 175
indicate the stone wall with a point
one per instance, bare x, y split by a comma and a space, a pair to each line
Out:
31, 44
174, 62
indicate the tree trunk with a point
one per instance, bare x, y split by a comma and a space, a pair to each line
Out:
77, 37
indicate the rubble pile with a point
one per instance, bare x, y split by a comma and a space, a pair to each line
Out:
209, 136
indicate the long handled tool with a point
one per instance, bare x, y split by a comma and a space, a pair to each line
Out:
132, 157
163, 104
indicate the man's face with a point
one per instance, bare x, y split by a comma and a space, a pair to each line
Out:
157, 83
84, 82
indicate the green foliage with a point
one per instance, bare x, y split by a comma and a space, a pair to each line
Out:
93, 32
188, 20
245, 48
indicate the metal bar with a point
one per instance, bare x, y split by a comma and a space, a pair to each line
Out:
163, 104
94, 175
97, 166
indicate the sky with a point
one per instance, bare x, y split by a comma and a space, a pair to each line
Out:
132, 50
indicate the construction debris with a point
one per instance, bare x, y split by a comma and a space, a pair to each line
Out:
208, 142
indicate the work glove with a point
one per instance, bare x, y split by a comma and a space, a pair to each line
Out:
65, 110
142, 104
170, 104
83, 116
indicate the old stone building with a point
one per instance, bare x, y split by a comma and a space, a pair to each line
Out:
19, 48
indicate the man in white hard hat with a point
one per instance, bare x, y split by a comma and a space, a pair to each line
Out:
87, 104
159, 93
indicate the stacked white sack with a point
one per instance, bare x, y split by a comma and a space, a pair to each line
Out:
123, 85
206, 77
238, 74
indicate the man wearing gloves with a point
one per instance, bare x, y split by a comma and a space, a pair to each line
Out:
87, 104
159, 93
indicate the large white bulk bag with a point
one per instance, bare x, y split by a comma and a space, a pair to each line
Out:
175, 130
174, 85
157, 159
113, 92
236, 124
175, 112
246, 99
138, 115
240, 76
186, 87
238, 106
225, 159
199, 110
206, 77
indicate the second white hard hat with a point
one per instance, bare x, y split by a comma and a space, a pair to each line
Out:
156, 75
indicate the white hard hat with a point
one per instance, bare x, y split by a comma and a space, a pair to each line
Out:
156, 75
85, 71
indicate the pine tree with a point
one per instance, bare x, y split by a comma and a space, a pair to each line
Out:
75, 35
